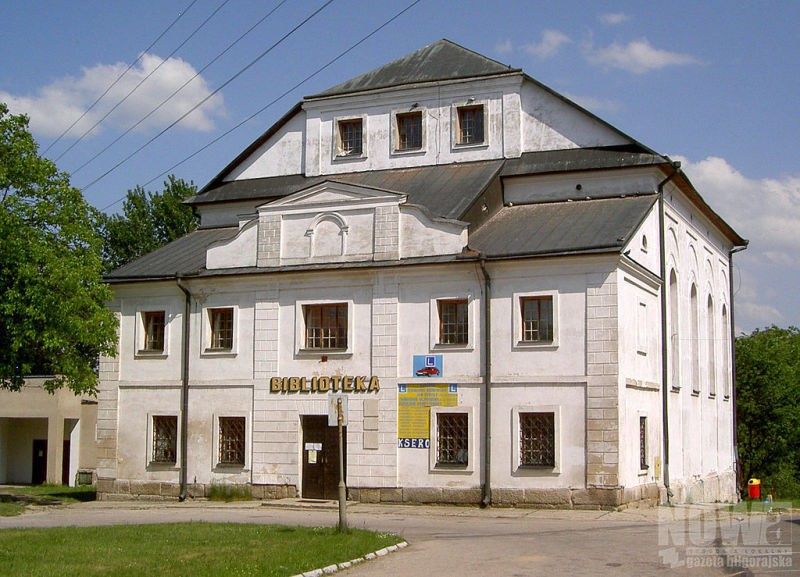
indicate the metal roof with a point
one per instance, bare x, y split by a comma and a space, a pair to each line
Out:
572, 159
562, 227
446, 190
442, 60
186, 255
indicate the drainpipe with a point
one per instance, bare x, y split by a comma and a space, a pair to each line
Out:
733, 368
487, 381
187, 310
676, 166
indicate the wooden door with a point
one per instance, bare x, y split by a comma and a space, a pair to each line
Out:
321, 458
39, 468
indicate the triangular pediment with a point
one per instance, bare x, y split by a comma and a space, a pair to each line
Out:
332, 193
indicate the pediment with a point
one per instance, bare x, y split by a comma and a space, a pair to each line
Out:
332, 193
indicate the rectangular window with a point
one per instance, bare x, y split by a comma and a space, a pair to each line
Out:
231, 440
470, 124
153, 331
452, 439
409, 131
453, 322
537, 440
350, 137
221, 322
537, 319
326, 326
643, 444
165, 439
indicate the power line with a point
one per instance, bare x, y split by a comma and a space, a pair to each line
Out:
142, 81
110, 86
204, 100
263, 108
171, 96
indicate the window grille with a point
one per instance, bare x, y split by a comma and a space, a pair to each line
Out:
643, 443
409, 131
165, 439
470, 124
350, 137
453, 322
326, 326
537, 440
537, 319
221, 328
154, 331
452, 446
231, 440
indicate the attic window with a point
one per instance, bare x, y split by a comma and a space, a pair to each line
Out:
350, 137
470, 125
409, 131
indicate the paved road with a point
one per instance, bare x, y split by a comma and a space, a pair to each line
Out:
470, 542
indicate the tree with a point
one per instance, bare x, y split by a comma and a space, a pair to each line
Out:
768, 405
53, 315
148, 221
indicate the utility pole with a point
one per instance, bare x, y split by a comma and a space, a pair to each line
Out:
342, 487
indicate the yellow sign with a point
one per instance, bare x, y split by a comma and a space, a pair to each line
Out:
335, 384
414, 404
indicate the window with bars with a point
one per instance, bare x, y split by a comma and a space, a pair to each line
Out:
231, 440
537, 319
409, 131
643, 444
165, 439
326, 326
453, 322
154, 322
350, 137
470, 124
221, 323
537, 440
452, 438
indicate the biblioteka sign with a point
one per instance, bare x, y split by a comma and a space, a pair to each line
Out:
335, 384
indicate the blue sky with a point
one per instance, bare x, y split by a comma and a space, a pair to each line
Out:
714, 84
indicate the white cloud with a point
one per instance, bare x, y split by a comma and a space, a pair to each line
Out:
614, 18
55, 106
504, 47
637, 56
767, 211
595, 104
551, 42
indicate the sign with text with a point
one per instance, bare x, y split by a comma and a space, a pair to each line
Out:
414, 404
428, 366
332, 384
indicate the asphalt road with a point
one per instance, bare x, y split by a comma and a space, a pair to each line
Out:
468, 542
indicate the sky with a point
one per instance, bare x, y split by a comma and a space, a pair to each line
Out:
714, 84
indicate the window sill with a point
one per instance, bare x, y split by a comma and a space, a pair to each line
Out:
409, 152
539, 345
219, 353
712, 395
158, 466
695, 393
536, 471
314, 353
675, 389
644, 472
229, 468
726, 398
453, 347
348, 157
452, 469
471, 146
150, 355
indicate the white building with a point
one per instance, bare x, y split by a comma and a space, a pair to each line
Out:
363, 245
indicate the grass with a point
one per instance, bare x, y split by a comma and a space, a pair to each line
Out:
63, 493
11, 509
182, 549
228, 493
749, 506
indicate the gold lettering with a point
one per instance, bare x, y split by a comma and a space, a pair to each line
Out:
374, 384
360, 385
294, 384
303, 385
347, 384
314, 381
336, 380
275, 384
324, 384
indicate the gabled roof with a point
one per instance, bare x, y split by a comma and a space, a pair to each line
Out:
586, 226
442, 60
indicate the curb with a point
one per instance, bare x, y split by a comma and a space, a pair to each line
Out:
330, 569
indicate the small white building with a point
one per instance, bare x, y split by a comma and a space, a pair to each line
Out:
519, 303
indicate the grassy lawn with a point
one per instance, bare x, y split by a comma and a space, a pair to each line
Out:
61, 492
190, 549
11, 509
761, 507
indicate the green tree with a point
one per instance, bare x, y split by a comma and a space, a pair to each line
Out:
53, 315
148, 221
768, 405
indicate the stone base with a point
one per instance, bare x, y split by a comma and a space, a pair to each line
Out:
715, 488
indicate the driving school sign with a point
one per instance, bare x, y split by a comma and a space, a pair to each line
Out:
414, 404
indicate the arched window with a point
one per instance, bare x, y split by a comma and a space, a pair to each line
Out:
672, 331
695, 340
726, 350
711, 348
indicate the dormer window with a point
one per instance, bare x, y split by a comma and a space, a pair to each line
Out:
351, 139
470, 124
409, 130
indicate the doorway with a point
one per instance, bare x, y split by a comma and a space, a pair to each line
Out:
321, 458
39, 468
